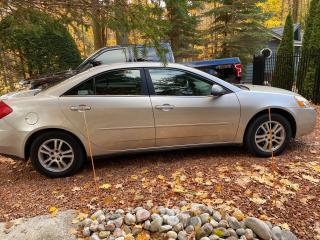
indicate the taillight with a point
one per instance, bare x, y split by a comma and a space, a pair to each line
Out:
238, 68
4, 109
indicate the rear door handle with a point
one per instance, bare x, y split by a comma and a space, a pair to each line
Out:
80, 108
165, 107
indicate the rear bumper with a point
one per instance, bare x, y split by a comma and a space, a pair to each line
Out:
11, 140
305, 120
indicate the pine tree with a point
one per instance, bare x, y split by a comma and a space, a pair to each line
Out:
239, 27
284, 68
182, 24
313, 51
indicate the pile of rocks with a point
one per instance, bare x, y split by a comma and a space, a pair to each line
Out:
194, 221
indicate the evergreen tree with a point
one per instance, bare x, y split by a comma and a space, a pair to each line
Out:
42, 43
313, 51
284, 68
239, 25
182, 22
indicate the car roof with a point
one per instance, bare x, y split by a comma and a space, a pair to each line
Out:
62, 87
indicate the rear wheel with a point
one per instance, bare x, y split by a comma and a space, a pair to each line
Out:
264, 137
56, 154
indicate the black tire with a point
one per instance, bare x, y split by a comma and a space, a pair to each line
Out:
78, 151
253, 127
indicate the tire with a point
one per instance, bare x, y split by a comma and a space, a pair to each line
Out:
68, 151
255, 142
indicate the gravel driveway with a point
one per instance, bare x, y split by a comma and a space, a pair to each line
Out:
224, 177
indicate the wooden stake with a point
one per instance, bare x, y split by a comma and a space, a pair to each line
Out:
273, 163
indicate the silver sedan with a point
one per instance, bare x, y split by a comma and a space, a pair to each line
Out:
145, 106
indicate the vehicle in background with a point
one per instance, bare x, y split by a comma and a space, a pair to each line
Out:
228, 69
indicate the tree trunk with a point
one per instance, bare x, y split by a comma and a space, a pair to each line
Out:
122, 35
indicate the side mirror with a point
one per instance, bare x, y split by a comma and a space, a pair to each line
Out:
217, 90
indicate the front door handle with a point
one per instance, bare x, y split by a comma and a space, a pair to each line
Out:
80, 108
164, 107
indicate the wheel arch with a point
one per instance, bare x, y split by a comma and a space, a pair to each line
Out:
34, 135
280, 111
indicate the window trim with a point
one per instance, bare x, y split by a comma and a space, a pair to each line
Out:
152, 91
144, 92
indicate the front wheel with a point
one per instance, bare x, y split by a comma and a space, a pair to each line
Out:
264, 137
56, 154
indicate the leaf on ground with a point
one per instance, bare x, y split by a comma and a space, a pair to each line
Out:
243, 181
310, 178
285, 226
143, 236
178, 189
257, 200
161, 177
198, 180
218, 188
288, 183
134, 177
53, 211
74, 189
105, 186
118, 186
306, 199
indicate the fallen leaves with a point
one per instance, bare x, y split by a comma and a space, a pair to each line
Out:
53, 211
310, 178
105, 186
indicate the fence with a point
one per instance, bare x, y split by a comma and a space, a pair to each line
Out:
305, 70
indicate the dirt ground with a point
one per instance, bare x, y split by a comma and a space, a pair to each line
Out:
225, 177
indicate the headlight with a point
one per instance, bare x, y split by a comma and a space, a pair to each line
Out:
302, 102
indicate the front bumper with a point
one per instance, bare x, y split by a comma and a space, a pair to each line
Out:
306, 119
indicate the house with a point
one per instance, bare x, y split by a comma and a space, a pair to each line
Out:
273, 44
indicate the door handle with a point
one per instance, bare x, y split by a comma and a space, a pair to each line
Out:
164, 107
80, 108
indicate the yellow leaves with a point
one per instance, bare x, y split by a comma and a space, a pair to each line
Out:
143, 236
310, 178
285, 226
134, 177
243, 181
105, 186
178, 189
316, 168
161, 177
81, 216
53, 211
218, 188
257, 200
75, 189
286, 182
306, 199
185, 208
238, 214
118, 186
107, 200
198, 180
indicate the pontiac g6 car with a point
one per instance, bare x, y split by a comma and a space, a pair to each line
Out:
145, 106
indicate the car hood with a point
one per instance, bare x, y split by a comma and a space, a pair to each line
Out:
23, 93
267, 89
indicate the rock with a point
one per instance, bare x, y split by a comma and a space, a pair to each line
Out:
118, 222
214, 223
126, 229
115, 216
234, 223
129, 237
269, 224
136, 230
287, 235
221, 232
86, 222
170, 212
111, 237
118, 233
147, 225
165, 228
223, 223
276, 233
258, 227
238, 214
205, 218
86, 231
207, 228
195, 221
204, 238
172, 220
155, 216
249, 234
184, 218
101, 218
216, 216
120, 211
94, 226
142, 215
214, 237
130, 219
179, 227
189, 229
155, 225
232, 238
182, 203
120, 238
94, 237
104, 234
172, 234
182, 235
110, 226
241, 231
137, 209
101, 227
162, 210
97, 214
232, 232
